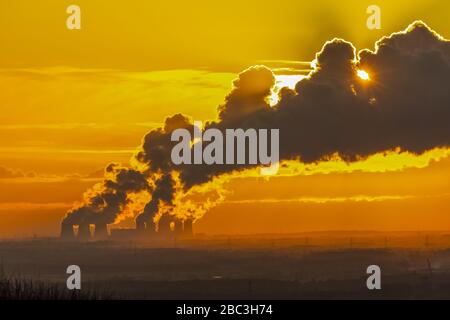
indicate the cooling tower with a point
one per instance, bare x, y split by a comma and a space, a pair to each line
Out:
101, 231
164, 224
178, 227
150, 227
67, 232
84, 232
188, 228
140, 225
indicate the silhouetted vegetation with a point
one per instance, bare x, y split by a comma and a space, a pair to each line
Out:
27, 289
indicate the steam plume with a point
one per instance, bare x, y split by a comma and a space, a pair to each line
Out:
405, 106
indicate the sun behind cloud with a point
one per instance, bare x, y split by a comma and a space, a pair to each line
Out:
363, 75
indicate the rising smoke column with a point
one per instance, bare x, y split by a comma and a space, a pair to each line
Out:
105, 201
162, 196
405, 107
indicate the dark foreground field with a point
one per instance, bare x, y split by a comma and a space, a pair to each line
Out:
326, 266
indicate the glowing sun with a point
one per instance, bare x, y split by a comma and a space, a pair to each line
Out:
363, 75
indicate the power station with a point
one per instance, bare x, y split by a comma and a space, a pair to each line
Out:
168, 227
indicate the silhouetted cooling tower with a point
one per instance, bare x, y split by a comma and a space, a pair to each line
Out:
140, 225
150, 227
67, 231
164, 224
188, 230
178, 227
84, 232
101, 231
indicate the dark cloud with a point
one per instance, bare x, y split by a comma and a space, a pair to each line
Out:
248, 95
406, 103
405, 106
157, 145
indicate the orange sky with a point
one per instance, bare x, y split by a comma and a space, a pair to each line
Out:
73, 101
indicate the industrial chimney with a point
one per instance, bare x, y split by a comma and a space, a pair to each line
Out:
188, 228
101, 231
67, 231
84, 232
